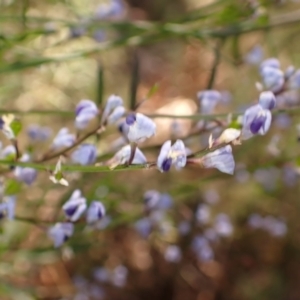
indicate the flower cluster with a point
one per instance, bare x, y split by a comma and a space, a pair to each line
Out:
136, 128
257, 119
73, 210
274, 226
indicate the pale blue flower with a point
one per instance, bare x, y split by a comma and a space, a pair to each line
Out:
173, 254
119, 276
7, 208
223, 225
99, 35
101, 275
267, 100
60, 233
86, 110
10, 202
85, 154
75, 206
140, 127
143, 227
112, 9
256, 120
255, 55
171, 155
38, 133
273, 78
202, 248
270, 63
294, 81
9, 152
151, 199
25, 174
166, 201
221, 159
112, 103
274, 226
255, 221
95, 212
203, 214
289, 72
116, 115
209, 100
122, 157
63, 139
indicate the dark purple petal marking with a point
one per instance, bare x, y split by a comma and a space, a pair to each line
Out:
66, 238
130, 119
166, 165
79, 108
257, 123
1, 123
100, 213
70, 211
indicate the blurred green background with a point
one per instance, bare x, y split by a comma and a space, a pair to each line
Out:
55, 53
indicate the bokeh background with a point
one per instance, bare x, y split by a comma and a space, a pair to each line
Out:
216, 236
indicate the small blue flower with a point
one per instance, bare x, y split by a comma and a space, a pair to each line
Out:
25, 174
223, 225
119, 276
221, 159
294, 81
267, 100
202, 248
101, 274
99, 35
169, 155
166, 201
208, 100
274, 226
38, 133
143, 227
63, 139
140, 127
10, 206
270, 63
85, 154
113, 9
256, 120
173, 254
95, 212
86, 110
112, 103
151, 199
9, 152
203, 214
60, 233
255, 221
255, 55
75, 206
122, 157
7, 208
116, 115
273, 78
